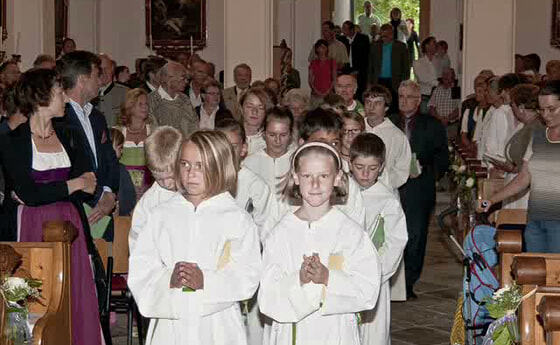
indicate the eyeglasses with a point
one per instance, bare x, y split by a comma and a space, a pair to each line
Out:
180, 77
354, 131
196, 166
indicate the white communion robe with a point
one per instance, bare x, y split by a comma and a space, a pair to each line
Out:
318, 314
255, 143
153, 197
272, 170
219, 237
382, 207
397, 153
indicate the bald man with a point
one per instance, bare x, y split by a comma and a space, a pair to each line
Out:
169, 105
111, 95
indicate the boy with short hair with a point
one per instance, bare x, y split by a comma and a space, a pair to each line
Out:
162, 148
386, 226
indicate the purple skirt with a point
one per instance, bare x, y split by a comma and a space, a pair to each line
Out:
86, 329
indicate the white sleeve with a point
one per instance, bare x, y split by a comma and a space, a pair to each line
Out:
354, 207
239, 279
356, 286
465, 121
138, 223
149, 277
399, 170
281, 296
396, 237
422, 73
265, 207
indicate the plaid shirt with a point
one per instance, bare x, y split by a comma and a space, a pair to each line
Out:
442, 101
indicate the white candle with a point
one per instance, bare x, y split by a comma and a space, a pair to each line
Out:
192, 47
18, 36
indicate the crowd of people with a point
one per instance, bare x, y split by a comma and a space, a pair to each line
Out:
293, 209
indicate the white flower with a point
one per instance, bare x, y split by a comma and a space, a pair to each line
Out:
462, 168
13, 283
470, 182
454, 167
501, 291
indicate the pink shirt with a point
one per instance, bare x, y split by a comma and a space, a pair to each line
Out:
322, 71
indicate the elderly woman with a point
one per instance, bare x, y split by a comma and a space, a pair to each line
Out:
134, 114
50, 178
297, 100
540, 173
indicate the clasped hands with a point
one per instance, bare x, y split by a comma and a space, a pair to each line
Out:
187, 274
312, 270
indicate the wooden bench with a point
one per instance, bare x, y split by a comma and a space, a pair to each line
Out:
540, 274
549, 312
48, 261
509, 240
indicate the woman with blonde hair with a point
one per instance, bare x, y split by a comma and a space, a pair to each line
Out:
136, 128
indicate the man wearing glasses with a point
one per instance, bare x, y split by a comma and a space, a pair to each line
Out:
428, 143
169, 106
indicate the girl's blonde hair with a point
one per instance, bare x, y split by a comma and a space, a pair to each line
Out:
130, 101
291, 191
219, 166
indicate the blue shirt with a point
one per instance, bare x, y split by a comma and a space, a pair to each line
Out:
386, 68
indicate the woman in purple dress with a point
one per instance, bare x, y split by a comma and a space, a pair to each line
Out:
49, 178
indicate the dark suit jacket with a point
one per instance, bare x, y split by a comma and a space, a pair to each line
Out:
16, 160
360, 54
400, 66
107, 168
429, 142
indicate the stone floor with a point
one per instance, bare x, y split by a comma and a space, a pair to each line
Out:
426, 321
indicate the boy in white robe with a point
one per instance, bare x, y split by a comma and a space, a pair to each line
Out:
273, 162
319, 267
386, 226
162, 148
398, 153
198, 255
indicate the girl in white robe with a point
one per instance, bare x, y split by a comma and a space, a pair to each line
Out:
273, 162
199, 254
320, 268
386, 226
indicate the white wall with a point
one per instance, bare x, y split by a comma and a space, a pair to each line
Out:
341, 12
117, 28
445, 18
532, 30
486, 44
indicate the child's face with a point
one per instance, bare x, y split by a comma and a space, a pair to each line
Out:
317, 176
192, 173
278, 137
239, 146
166, 180
366, 170
350, 130
331, 138
118, 151
375, 107
253, 111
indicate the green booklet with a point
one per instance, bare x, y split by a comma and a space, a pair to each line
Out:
415, 168
378, 236
98, 229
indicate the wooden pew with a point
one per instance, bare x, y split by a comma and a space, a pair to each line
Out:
48, 261
540, 274
549, 312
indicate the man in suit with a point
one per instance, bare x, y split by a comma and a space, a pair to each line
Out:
358, 54
428, 143
200, 71
111, 95
168, 105
388, 62
232, 95
80, 71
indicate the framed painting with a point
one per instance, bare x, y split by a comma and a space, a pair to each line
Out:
174, 26
555, 30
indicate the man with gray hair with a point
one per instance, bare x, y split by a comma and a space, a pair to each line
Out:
232, 95
111, 94
428, 143
168, 105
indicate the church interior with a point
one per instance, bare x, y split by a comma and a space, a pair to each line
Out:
468, 105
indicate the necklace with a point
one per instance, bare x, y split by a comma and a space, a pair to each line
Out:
550, 140
130, 131
44, 137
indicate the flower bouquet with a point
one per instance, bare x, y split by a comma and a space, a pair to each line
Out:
17, 293
502, 306
465, 182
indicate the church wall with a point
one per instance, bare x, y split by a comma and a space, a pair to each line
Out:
445, 19
533, 26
